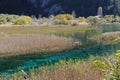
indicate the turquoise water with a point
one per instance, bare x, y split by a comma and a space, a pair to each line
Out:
24, 63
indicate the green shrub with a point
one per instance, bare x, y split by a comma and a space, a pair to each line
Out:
116, 68
116, 19
114, 72
23, 20
111, 69
2, 15
112, 19
109, 18
95, 21
63, 18
100, 65
11, 18
81, 19
2, 19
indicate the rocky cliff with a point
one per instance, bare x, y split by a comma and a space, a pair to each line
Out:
48, 7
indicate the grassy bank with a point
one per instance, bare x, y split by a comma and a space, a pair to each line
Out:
41, 30
94, 68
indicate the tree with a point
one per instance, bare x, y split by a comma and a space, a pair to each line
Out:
100, 12
94, 21
116, 7
74, 14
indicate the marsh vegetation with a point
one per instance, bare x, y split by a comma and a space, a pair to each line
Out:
59, 47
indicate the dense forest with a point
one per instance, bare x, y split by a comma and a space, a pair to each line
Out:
48, 7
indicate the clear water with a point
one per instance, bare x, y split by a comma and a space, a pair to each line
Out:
26, 64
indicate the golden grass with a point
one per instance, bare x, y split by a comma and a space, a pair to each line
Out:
19, 44
68, 70
40, 30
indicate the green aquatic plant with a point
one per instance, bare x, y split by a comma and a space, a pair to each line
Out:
100, 65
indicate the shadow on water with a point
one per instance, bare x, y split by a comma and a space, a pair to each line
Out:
26, 62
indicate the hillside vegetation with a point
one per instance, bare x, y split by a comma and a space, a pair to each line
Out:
48, 7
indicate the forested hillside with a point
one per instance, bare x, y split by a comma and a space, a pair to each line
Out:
48, 7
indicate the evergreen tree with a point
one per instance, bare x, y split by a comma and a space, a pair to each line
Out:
74, 14
116, 7
100, 12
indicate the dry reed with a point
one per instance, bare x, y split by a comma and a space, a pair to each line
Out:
22, 43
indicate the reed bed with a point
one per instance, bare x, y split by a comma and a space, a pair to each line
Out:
109, 37
18, 44
68, 70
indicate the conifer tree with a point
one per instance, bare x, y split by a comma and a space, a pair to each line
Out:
100, 12
74, 14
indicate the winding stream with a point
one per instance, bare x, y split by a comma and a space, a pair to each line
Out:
25, 63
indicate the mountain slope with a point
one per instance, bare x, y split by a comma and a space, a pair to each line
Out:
48, 7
